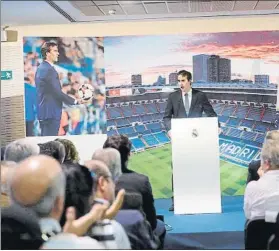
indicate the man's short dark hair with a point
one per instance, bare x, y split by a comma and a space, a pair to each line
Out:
46, 47
184, 73
123, 145
79, 186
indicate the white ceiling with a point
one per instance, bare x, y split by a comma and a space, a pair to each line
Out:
61, 12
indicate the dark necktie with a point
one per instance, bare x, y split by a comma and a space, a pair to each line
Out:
186, 104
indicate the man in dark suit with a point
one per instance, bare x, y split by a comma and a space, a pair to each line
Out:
50, 97
186, 103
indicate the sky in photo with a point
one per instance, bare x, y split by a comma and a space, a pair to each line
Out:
250, 53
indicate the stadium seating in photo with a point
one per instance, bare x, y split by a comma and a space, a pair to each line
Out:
243, 125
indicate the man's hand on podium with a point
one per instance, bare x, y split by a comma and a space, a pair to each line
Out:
220, 130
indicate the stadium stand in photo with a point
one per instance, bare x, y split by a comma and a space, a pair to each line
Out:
243, 118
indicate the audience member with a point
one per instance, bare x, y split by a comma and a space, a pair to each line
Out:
38, 183
6, 171
137, 228
111, 157
103, 190
71, 153
53, 149
132, 181
253, 170
21, 149
257, 192
122, 144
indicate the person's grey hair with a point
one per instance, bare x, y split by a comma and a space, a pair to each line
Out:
44, 206
111, 157
21, 149
270, 150
97, 171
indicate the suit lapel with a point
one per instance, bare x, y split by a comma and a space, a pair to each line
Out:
179, 98
194, 100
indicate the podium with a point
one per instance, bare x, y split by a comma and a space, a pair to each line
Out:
196, 165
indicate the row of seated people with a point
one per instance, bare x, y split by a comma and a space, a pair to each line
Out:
52, 201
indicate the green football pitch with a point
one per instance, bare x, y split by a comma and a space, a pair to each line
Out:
156, 164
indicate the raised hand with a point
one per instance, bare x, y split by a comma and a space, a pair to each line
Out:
80, 226
116, 205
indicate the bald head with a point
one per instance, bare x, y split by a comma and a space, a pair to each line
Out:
111, 157
37, 182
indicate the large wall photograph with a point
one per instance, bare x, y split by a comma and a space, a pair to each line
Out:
65, 95
238, 71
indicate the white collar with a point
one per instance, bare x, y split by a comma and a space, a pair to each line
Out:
189, 92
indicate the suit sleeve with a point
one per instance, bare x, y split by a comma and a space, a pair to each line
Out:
168, 114
148, 205
208, 109
54, 89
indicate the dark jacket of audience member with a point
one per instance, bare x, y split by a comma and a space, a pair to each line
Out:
138, 230
253, 170
132, 181
138, 183
20, 229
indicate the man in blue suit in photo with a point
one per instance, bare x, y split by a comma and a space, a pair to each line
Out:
50, 97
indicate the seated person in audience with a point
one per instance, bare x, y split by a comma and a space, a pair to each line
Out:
21, 149
53, 149
137, 227
109, 232
253, 170
257, 192
6, 170
132, 181
71, 153
38, 183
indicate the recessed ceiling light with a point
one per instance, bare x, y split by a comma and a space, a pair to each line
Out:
111, 12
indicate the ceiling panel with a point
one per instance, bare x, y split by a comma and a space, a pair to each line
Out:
117, 8
91, 11
266, 5
82, 3
129, 2
178, 7
156, 8
244, 5
105, 2
134, 9
200, 6
222, 5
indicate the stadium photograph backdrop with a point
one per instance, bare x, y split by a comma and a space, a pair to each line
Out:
238, 72
80, 69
